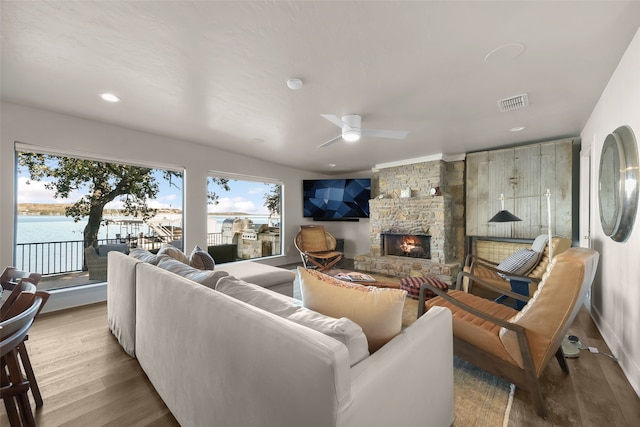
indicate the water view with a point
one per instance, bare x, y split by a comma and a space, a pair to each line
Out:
57, 228
53, 244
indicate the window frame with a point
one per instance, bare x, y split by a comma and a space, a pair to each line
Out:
260, 180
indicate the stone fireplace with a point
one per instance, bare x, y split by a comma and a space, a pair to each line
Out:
436, 223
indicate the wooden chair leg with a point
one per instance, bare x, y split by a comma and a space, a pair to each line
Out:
331, 263
28, 369
8, 399
19, 386
562, 361
318, 265
535, 391
326, 265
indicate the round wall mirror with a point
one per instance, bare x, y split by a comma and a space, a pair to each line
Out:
618, 184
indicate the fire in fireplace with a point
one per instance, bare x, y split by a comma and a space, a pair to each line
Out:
406, 245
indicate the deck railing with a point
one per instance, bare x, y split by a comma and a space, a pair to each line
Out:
51, 257
214, 239
68, 256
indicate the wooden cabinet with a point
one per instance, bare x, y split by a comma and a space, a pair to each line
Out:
523, 174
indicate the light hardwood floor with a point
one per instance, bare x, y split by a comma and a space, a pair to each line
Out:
87, 379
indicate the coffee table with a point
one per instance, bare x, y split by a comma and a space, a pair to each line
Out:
377, 283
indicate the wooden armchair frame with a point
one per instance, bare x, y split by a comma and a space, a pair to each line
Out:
527, 376
472, 262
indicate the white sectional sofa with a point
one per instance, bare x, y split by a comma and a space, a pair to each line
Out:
217, 360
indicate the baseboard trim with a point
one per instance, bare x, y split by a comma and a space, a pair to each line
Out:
61, 299
627, 364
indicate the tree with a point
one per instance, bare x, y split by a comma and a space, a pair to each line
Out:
272, 199
104, 182
133, 185
212, 197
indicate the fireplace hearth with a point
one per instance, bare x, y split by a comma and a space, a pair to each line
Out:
406, 245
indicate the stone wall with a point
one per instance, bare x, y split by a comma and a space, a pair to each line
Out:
441, 216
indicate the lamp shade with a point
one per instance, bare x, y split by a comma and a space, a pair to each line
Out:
504, 216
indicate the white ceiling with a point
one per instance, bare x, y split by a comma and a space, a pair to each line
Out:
215, 72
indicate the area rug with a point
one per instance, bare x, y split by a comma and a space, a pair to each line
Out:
480, 399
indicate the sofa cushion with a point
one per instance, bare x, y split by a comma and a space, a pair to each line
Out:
201, 259
257, 296
342, 329
144, 255
207, 278
174, 253
377, 310
257, 273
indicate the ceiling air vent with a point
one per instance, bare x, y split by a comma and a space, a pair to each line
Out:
513, 103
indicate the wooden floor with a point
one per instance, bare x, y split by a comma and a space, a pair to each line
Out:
87, 379
595, 393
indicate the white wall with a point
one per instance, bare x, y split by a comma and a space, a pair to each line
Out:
615, 298
95, 139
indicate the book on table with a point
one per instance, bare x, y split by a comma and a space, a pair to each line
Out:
355, 277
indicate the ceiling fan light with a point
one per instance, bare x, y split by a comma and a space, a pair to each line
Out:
351, 135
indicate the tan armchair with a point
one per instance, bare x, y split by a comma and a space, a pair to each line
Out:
518, 345
489, 272
317, 246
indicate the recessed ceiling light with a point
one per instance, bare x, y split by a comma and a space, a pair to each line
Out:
504, 53
517, 129
294, 84
109, 97
332, 165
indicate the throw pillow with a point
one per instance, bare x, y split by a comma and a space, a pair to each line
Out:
256, 296
343, 329
207, 278
144, 255
540, 243
378, 311
520, 263
201, 259
174, 253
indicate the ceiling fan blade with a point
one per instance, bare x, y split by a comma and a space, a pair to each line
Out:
329, 142
334, 119
382, 133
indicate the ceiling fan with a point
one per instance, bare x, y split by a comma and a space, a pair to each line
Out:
351, 126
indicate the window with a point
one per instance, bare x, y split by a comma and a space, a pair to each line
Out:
243, 217
71, 211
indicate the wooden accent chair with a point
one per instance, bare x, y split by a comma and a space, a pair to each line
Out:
489, 272
317, 246
518, 345
11, 276
14, 386
22, 295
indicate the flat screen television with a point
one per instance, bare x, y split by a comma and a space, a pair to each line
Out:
336, 199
